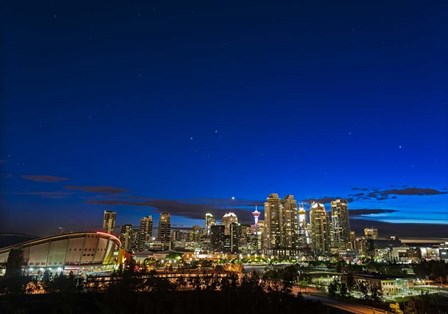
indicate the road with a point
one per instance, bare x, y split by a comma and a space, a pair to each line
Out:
347, 307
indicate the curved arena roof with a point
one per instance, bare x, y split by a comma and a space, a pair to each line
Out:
68, 249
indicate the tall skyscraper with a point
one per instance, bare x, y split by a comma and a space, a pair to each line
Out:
217, 238
165, 229
235, 235
126, 237
340, 224
320, 228
109, 221
227, 220
290, 223
273, 222
302, 226
144, 232
209, 221
281, 223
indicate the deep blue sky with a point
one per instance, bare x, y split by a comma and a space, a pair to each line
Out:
176, 106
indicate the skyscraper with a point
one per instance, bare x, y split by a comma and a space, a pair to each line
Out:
209, 221
235, 235
281, 224
126, 237
144, 232
109, 221
217, 238
340, 224
165, 229
302, 227
290, 222
227, 220
272, 217
320, 229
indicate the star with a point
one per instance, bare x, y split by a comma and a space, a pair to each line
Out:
400, 147
191, 138
233, 198
216, 131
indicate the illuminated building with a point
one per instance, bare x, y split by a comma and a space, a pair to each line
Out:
256, 215
303, 232
109, 221
352, 240
371, 233
273, 222
281, 225
165, 229
144, 232
196, 233
217, 238
340, 231
209, 221
289, 221
126, 237
320, 229
66, 252
227, 220
235, 235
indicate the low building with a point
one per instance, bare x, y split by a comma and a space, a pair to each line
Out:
77, 252
389, 286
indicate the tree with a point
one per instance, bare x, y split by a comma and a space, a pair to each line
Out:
411, 307
395, 308
333, 288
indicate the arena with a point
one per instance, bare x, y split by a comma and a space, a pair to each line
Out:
78, 252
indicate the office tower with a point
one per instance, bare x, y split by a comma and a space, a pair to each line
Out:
235, 236
209, 221
217, 237
302, 226
109, 221
227, 220
320, 229
196, 233
340, 223
371, 233
290, 223
126, 237
145, 232
273, 222
165, 229
352, 240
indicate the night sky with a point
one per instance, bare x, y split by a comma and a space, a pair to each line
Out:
181, 106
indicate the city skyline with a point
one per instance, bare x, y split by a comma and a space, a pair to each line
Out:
195, 108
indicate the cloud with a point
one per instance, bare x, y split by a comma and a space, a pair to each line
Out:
393, 193
43, 178
188, 208
47, 195
96, 189
366, 211
359, 189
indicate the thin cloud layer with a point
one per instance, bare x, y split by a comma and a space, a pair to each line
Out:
44, 178
46, 194
380, 195
96, 189
365, 211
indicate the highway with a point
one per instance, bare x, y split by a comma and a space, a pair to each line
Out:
347, 307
